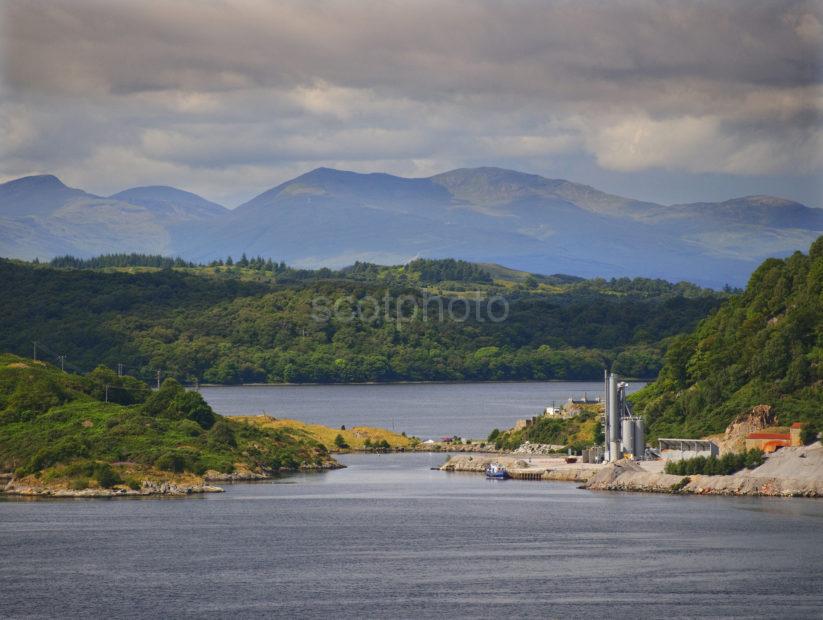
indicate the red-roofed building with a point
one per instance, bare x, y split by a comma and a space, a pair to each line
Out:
769, 442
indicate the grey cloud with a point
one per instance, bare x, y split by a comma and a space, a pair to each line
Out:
200, 93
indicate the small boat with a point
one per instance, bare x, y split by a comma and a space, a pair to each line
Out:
497, 471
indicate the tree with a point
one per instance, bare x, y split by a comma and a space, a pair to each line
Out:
340, 442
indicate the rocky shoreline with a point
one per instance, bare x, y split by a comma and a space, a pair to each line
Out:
790, 472
150, 488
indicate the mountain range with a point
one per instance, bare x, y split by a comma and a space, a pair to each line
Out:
332, 218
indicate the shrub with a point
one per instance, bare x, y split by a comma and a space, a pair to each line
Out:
340, 442
170, 461
173, 401
106, 477
713, 466
78, 484
808, 434
221, 434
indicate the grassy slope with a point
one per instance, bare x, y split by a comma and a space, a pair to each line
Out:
354, 437
764, 346
577, 432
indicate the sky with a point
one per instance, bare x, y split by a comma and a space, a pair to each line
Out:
665, 101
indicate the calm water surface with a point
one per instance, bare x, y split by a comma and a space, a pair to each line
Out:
424, 410
387, 537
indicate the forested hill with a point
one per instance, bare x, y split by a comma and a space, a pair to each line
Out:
762, 347
253, 321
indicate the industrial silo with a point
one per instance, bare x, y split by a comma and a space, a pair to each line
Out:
613, 411
639, 437
627, 433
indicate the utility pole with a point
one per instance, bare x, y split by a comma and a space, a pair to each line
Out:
62, 359
119, 370
107, 393
35, 351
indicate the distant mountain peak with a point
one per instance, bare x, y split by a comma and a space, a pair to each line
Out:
764, 200
36, 181
170, 202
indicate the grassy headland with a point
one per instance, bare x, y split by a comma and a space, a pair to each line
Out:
56, 429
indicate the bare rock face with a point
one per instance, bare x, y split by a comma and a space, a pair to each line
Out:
756, 419
627, 475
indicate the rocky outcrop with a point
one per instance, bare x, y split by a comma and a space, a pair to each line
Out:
537, 448
235, 476
755, 419
790, 472
147, 488
472, 464
570, 474
630, 476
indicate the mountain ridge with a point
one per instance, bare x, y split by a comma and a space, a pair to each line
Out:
330, 217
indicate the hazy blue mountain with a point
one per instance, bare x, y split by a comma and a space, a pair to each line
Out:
35, 195
332, 217
42, 217
174, 205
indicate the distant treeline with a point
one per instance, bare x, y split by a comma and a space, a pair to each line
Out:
425, 271
105, 261
221, 325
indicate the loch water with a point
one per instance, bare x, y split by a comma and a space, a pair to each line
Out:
390, 537
425, 410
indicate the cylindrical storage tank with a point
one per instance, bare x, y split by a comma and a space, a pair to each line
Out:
639, 437
614, 451
614, 414
627, 429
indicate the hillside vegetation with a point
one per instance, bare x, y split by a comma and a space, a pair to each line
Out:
57, 426
764, 346
577, 433
251, 320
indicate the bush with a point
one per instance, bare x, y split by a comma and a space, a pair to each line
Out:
713, 466
78, 484
171, 461
808, 434
173, 401
340, 442
106, 477
221, 434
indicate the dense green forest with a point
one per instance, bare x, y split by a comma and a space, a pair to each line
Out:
762, 347
256, 321
60, 425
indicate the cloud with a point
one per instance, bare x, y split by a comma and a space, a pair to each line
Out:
249, 92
